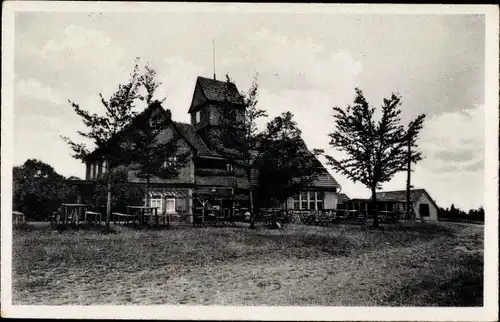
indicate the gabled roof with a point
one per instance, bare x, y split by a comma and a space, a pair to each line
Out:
188, 132
400, 195
324, 179
115, 138
219, 91
343, 197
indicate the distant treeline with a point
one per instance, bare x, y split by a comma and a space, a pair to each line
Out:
456, 214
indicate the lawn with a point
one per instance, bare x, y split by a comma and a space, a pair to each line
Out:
433, 265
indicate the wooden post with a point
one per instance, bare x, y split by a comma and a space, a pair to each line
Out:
408, 184
65, 217
221, 211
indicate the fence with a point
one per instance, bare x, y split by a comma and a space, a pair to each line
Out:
325, 217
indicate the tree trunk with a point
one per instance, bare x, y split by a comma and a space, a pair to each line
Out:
374, 208
146, 194
108, 203
408, 184
252, 215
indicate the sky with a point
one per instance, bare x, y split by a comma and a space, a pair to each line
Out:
306, 64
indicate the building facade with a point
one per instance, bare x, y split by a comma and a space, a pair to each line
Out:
212, 175
423, 206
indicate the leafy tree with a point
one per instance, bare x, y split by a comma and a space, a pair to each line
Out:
123, 193
285, 164
455, 213
101, 129
242, 133
148, 80
376, 150
38, 189
149, 151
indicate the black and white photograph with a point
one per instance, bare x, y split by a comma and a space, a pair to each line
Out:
249, 161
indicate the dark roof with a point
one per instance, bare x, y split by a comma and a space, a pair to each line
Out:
325, 180
398, 196
148, 110
343, 197
216, 90
188, 132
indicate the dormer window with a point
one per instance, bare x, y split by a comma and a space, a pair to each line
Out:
170, 162
198, 117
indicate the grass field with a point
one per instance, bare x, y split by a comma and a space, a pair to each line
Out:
434, 265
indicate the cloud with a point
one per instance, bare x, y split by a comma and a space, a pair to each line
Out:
454, 139
33, 88
452, 170
178, 77
300, 76
76, 60
293, 64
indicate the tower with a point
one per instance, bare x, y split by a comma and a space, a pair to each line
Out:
213, 101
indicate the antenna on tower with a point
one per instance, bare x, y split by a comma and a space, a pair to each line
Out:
213, 47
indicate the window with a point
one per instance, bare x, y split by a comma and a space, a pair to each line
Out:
229, 167
308, 200
303, 200
319, 200
170, 205
198, 117
312, 202
424, 210
171, 162
155, 202
91, 171
296, 202
104, 166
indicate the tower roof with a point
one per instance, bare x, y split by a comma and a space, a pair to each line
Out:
218, 91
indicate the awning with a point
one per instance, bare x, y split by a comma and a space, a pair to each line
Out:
168, 192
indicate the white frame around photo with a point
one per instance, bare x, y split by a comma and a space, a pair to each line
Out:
488, 312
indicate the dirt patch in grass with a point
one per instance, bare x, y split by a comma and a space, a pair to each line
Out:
299, 265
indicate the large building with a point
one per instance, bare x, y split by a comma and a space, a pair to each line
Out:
212, 176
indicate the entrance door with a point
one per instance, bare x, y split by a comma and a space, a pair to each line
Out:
423, 210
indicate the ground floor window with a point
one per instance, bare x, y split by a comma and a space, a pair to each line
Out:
170, 205
309, 200
156, 202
